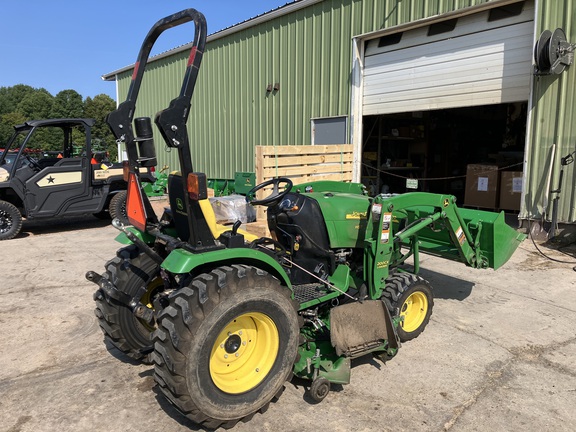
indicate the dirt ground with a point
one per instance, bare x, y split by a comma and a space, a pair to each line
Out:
499, 353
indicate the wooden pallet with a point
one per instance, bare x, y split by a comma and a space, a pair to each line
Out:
302, 163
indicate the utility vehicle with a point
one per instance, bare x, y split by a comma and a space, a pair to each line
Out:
48, 169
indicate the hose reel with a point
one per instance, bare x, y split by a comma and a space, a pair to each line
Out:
553, 53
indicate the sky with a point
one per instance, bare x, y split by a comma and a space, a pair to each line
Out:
69, 44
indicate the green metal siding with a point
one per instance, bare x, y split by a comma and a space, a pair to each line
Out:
308, 52
552, 122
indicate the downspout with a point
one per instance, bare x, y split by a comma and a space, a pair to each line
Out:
356, 107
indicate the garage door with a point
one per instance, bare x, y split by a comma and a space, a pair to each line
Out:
480, 59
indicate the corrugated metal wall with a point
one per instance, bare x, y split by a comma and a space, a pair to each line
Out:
553, 121
307, 52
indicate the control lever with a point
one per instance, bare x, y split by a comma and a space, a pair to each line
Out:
235, 227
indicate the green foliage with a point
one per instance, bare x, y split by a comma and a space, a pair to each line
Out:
7, 123
10, 97
98, 108
36, 104
22, 102
67, 104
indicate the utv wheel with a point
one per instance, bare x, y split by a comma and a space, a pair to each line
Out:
10, 221
410, 297
117, 207
225, 345
128, 271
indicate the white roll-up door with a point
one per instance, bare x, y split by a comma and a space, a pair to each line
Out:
478, 62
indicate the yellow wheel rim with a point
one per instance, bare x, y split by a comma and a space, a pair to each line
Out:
414, 311
146, 299
244, 353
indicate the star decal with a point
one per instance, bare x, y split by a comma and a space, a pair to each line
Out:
50, 179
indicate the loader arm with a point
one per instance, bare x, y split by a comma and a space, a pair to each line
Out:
432, 223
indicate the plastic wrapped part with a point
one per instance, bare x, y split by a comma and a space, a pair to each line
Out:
145, 139
231, 208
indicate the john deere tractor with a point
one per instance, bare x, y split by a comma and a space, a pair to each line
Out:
227, 317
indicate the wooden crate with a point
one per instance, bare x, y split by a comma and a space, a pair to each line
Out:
302, 163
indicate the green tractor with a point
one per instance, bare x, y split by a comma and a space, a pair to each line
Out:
227, 317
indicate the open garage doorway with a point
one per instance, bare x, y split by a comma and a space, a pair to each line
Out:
456, 151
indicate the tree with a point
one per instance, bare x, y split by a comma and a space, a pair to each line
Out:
98, 108
10, 97
22, 102
67, 104
7, 122
36, 104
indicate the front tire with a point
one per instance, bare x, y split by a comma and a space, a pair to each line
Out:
410, 297
225, 345
10, 220
128, 271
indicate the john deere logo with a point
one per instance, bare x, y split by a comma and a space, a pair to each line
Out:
179, 204
356, 215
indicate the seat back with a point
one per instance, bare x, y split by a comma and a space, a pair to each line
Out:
178, 209
177, 206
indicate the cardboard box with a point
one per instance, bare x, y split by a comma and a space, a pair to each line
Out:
482, 186
510, 190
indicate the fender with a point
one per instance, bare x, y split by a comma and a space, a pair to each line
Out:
144, 236
181, 261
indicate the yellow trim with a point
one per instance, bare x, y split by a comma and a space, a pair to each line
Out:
60, 179
414, 311
102, 174
244, 353
153, 287
217, 228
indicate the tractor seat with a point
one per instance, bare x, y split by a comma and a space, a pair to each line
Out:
175, 195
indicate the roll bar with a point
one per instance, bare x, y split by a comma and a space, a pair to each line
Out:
172, 125
172, 120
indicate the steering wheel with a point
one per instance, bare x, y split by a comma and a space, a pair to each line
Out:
33, 162
276, 194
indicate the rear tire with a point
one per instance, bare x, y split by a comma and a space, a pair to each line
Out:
128, 271
117, 207
410, 297
225, 345
10, 220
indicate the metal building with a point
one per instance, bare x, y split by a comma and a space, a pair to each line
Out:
422, 88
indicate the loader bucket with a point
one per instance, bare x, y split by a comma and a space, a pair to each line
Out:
496, 239
491, 236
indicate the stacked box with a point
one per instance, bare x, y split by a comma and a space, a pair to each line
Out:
510, 190
482, 188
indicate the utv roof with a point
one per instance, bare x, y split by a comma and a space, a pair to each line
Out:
56, 122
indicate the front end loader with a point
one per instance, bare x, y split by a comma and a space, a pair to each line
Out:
227, 317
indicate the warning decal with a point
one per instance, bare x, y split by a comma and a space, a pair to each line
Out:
460, 236
385, 234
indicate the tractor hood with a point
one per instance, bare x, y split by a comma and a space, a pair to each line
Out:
346, 217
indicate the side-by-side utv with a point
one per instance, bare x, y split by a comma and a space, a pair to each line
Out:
49, 169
